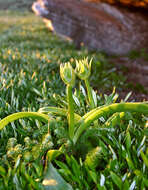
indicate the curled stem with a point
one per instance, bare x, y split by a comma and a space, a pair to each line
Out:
109, 110
15, 116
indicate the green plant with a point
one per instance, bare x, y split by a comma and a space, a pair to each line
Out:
68, 76
83, 70
78, 126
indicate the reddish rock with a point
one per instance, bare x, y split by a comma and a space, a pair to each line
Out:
126, 3
99, 26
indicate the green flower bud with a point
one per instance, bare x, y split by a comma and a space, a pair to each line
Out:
11, 143
83, 68
11, 153
18, 148
67, 74
47, 143
47, 138
27, 141
94, 158
28, 156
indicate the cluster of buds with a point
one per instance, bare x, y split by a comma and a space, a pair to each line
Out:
83, 70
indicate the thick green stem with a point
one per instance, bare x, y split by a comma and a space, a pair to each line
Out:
15, 116
90, 96
109, 110
70, 111
114, 119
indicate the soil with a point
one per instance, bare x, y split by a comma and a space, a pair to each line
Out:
136, 72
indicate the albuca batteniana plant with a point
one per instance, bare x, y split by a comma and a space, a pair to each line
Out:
68, 76
83, 70
77, 125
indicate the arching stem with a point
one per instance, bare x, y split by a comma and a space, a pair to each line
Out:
109, 110
20, 115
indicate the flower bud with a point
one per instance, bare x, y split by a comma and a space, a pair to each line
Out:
27, 141
11, 153
67, 74
11, 143
28, 156
83, 68
18, 148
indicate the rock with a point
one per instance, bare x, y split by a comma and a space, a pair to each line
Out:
99, 26
127, 3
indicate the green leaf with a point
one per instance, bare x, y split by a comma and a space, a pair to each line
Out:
2, 171
130, 163
94, 95
132, 186
144, 158
93, 176
76, 100
16, 182
128, 140
145, 182
127, 96
99, 187
52, 154
94, 158
126, 185
102, 180
116, 179
53, 180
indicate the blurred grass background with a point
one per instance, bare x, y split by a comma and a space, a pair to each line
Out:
30, 56
15, 4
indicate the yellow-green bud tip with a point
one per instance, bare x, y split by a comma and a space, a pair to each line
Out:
67, 74
83, 68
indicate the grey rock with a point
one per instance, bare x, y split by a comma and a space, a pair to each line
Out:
99, 26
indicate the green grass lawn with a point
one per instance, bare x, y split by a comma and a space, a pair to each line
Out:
16, 4
28, 49
30, 58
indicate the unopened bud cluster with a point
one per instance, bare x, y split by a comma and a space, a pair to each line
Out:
83, 70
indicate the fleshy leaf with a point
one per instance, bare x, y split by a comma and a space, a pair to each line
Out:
53, 180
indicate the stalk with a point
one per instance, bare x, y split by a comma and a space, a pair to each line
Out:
15, 116
109, 110
90, 96
70, 111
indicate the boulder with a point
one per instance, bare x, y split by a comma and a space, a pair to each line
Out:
99, 26
127, 3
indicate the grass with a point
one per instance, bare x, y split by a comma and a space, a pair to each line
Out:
30, 56
16, 4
